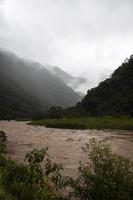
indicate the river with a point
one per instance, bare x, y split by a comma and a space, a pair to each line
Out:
64, 146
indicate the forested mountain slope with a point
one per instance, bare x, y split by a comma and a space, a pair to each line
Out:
15, 102
114, 95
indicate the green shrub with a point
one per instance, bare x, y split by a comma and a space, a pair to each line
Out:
3, 148
4, 195
106, 176
3, 136
31, 181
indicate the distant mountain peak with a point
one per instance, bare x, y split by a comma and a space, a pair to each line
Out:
71, 81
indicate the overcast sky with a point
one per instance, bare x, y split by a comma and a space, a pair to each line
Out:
84, 37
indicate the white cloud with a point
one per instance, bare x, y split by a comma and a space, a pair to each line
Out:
83, 37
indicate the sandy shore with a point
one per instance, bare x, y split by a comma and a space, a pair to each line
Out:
64, 145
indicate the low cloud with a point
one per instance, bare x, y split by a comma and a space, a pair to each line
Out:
84, 38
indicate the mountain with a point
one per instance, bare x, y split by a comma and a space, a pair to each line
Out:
15, 102
114, 95
71, 81
27, 87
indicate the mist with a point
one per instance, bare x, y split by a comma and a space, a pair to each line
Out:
88, 38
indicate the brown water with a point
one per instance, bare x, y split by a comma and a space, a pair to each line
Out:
64, 145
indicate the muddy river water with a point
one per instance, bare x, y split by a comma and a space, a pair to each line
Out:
64, 146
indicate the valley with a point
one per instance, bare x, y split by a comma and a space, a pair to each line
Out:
66, 100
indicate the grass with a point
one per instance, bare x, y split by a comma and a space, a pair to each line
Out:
4, 195
108, 122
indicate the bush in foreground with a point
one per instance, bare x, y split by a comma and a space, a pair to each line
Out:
3, 136
106, 176
4, 195
31, 181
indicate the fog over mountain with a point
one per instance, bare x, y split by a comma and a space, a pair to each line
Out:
85, 38
74, 82
27, 87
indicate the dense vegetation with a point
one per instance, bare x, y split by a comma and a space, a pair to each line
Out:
106, 176
27, 87
105, 122
114, 96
